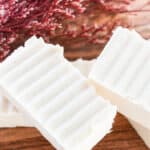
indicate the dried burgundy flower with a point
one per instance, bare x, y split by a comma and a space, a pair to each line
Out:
19, 19
79, 25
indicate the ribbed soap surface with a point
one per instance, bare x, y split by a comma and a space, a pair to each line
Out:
55, 96
12, 117
124, 68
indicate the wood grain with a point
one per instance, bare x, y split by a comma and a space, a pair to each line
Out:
122, 137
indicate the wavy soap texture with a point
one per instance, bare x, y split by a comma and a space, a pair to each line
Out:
123, 77
12, 118
55, 96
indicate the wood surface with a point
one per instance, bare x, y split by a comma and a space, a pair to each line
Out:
122, 137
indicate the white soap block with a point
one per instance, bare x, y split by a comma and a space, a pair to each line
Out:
11, 117
142, 131
56, 96
84, 66
122, 75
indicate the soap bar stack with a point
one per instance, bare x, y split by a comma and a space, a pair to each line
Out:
10, 116
63, 104
56, 96
122, 75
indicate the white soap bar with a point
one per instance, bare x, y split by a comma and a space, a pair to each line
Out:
84, 66
142, 131
56, 96
11, 117
122, 75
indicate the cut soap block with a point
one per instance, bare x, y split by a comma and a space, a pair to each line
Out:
55, 96
142, 131
12, 117
84, 66
122, 75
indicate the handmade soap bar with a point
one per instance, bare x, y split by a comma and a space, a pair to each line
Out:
12, 117
55, 96
122, 75
84, 66
143, 132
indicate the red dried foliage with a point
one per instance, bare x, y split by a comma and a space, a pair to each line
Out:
20, 19
75, 24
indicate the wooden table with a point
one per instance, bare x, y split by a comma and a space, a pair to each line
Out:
122, 137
